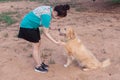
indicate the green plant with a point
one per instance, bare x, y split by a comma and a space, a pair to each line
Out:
116, 1
6, 18
4, 0
40, 0
9, 0
51, 61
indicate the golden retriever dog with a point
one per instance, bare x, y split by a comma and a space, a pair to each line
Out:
76, 50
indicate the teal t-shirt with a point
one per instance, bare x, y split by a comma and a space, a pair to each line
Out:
40, 16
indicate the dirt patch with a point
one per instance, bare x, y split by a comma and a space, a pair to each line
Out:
97, 27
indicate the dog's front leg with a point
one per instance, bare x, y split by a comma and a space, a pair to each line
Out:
69, 60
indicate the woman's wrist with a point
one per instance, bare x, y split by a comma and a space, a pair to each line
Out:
56, 42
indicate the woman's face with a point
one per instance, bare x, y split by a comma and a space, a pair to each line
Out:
54, 15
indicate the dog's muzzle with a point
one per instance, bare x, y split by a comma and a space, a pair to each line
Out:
60, 33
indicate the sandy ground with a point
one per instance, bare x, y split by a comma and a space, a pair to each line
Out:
98, 26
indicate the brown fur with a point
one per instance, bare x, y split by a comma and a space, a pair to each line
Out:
76, 50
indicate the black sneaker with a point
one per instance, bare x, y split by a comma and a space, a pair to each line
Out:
41, 69
44, 65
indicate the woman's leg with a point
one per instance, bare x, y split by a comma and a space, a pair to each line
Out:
36, 53
36, 56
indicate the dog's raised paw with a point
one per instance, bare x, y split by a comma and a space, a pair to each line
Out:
86, 69
65, 65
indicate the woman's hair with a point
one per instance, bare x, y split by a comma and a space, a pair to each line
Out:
62, 10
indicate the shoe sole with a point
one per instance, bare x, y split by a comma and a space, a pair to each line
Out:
46, 67
40, 71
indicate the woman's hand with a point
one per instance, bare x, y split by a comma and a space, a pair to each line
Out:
46, 32
60, 43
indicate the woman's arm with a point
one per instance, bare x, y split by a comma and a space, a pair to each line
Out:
46, 32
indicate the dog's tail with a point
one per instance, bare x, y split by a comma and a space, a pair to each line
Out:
106, 63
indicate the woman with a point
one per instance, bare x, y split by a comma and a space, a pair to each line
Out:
29, 29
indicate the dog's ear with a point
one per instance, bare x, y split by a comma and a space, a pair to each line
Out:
70, 33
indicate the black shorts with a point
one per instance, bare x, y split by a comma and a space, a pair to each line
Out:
31, 35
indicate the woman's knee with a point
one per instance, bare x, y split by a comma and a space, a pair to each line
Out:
36, 45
